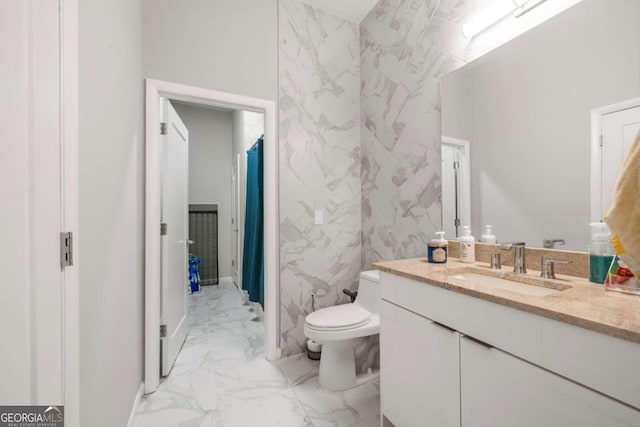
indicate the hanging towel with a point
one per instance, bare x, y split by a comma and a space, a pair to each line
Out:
624, 216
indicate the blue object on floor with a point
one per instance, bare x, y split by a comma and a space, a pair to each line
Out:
194, 274
253, 254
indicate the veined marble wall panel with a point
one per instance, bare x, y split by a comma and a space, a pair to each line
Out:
319, 102
406, 46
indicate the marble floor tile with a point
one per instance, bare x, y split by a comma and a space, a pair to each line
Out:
354, 407
221, 377
299, 369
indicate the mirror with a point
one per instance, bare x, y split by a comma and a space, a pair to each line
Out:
518, 122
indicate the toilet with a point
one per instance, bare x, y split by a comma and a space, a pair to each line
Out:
340, 328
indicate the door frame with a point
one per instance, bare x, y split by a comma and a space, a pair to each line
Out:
235, 200
155, 89
465, 171
596, 153
69, 58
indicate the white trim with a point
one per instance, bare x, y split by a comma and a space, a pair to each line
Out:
596, 153
70, 202
465, 167
133, 415
154, 90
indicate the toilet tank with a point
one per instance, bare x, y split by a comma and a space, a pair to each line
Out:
369, 294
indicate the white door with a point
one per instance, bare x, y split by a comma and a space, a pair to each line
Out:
31, 277
619, 131
235, 209
174, 213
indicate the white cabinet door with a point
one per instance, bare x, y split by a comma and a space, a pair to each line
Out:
498, 389
420, 376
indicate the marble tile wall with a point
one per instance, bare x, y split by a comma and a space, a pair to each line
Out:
406, 46
319, 102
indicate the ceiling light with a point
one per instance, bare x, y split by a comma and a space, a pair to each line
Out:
496, 13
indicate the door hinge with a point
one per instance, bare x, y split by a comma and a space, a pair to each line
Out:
66, 249
600, 140
163, 229
163, 128
163, 331
456, 165
456, 222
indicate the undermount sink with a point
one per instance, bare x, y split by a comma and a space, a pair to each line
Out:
480, 278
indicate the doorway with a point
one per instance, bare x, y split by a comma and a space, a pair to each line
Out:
614, 128
456, 185
155, 90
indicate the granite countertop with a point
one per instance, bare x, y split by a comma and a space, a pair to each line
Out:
579, 301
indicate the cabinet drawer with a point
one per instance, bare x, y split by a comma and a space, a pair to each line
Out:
499, 390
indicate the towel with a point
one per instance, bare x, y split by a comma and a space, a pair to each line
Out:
623, 218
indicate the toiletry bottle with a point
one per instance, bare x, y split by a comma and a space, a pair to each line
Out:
437, 249
467, 245
488, 236
601, 252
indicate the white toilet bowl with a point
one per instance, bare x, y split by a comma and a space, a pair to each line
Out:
340, 328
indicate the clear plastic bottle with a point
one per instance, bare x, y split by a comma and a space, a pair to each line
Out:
467, 245
488, 236
601, 252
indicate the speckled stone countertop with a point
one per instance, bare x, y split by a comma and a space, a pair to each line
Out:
579, 301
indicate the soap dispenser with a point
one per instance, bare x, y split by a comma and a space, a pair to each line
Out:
488, 236
437, 249
467, 245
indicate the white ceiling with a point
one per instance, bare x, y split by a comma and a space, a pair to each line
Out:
351, 10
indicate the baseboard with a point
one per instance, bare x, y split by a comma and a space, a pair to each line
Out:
136, 404
225, 280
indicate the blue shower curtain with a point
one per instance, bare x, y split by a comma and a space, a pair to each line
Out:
253, 254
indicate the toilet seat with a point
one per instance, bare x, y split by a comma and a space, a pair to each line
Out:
338, 318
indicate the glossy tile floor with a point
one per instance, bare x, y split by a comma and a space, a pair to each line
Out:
221, 377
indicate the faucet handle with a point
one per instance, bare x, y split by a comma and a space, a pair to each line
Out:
551, 243
508, 245
547, 267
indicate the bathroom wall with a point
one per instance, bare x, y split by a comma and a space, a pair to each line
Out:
111, 199
226, 45
406, 46
210, 157
319, 163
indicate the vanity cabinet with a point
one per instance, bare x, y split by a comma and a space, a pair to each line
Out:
421, 372
499, 390
449, 359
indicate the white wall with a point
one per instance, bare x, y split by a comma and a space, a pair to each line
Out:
210, 155
111, 210
528, 105
226, 45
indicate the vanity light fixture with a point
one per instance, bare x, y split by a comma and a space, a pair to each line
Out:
496, 13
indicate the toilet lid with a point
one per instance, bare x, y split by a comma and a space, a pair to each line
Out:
339, 316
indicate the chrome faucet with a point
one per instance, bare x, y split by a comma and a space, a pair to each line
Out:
551, 243
547, 267
519, 264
